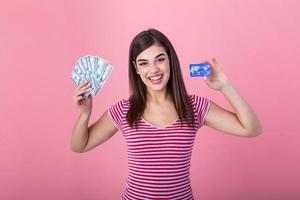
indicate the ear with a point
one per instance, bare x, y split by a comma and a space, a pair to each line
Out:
136, 69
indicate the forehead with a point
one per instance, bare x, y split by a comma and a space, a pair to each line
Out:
151, 52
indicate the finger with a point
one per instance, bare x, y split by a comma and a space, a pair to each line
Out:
82, 98
86, 87
82, 92
77, 100
216, 62
213, 66
82, 85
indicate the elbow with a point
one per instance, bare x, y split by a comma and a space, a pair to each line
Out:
253, 129
254, 132
76, 149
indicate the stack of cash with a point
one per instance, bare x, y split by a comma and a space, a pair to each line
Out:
93, 69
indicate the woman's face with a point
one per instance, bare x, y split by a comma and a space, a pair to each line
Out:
152, 65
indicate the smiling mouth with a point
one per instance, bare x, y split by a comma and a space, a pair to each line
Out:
155, 78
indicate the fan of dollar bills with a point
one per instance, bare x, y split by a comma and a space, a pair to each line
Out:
93, 69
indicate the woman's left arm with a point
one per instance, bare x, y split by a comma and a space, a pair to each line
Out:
243, 122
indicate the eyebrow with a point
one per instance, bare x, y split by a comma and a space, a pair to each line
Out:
161, 54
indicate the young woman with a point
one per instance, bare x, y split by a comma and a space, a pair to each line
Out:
160, 120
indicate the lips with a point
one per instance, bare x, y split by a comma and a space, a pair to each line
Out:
155, 78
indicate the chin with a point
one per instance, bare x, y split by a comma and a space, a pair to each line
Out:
157, 87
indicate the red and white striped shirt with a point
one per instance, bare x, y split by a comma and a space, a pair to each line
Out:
158, 158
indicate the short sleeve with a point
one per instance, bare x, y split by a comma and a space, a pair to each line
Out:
201, 106
115, 113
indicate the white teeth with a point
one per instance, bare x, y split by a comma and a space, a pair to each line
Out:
155, 77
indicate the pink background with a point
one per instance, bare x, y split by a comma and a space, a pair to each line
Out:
256, 42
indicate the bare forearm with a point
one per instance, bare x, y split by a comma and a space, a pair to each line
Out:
80, 133
244, 112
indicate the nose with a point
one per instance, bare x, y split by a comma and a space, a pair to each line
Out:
154, 68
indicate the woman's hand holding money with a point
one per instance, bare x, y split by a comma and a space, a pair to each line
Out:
83, 103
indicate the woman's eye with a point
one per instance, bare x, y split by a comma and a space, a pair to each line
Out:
143, 64
160, 60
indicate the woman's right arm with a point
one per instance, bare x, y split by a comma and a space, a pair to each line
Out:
80, 133
85, 138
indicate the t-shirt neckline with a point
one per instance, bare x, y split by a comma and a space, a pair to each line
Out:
165, 127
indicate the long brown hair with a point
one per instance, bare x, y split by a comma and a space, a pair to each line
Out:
175, 85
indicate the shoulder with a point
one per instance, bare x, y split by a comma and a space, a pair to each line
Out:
192, 97
195, 99
201, 107
199, 103
122, 104
125, 103
118, 110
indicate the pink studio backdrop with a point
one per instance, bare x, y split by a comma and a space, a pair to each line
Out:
256, 42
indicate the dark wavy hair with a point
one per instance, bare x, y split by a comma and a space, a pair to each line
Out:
175, 85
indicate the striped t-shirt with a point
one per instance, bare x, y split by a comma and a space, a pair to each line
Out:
158, 158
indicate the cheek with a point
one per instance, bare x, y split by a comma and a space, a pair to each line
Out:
166, 68
168, 72
142, 72
142, 75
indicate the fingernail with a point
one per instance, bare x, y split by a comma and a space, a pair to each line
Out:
205, 78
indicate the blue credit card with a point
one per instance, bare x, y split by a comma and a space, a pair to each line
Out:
202, 69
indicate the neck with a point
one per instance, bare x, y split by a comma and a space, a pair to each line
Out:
158, 96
